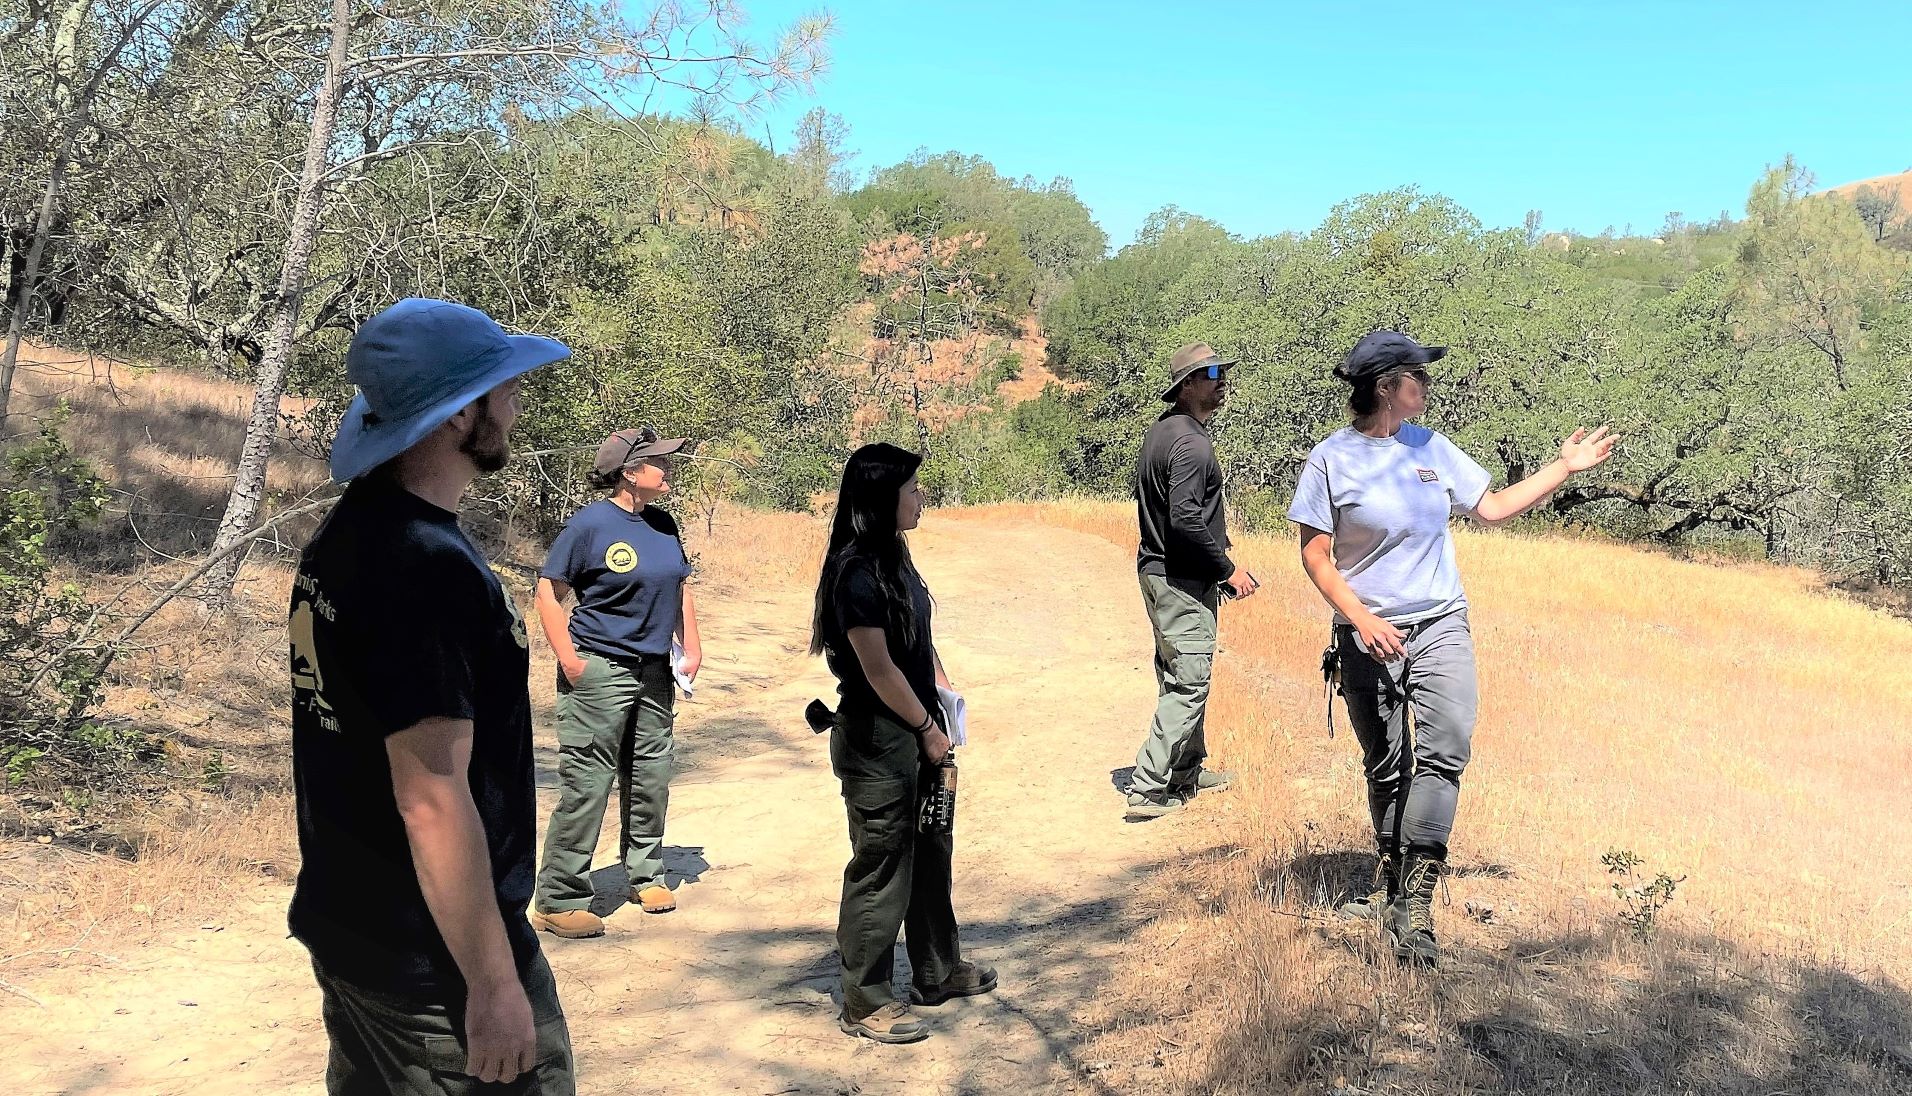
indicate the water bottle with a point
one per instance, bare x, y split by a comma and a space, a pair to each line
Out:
938, 814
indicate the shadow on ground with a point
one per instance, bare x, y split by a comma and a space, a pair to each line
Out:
1538, 1010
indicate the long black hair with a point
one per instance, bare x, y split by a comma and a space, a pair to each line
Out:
865, 528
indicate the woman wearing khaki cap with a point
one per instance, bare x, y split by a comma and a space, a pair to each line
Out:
623, 560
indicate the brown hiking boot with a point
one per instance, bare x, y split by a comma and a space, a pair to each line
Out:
654, 898
568, 924
893, 1023
967, 980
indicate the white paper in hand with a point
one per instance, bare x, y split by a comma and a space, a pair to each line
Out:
684, 683
954, 713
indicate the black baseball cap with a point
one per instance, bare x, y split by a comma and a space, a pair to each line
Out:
1381, 352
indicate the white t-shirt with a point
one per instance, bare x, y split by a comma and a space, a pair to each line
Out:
1387, 502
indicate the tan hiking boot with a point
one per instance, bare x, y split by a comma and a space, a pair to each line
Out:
967, 980
893, 1023
654, 898
1373, 906
568, 924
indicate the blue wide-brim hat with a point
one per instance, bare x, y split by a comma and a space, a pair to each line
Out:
416, 364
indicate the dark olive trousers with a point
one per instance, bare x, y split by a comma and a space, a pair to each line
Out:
898, 879
384, 1043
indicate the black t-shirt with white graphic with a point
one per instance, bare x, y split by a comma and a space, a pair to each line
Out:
397, 618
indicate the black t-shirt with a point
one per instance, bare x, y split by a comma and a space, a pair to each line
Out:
628, 571
397, 618
857, 601
1179, 503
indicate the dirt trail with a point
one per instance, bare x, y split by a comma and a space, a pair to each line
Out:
1042, 630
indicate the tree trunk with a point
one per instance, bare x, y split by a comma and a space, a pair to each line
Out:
66, 47
29, 284
262, 428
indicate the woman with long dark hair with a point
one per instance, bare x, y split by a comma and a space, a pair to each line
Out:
872, 625
1373, 505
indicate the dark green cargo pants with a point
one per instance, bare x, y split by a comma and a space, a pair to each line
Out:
615, 722
384, 1044
897, 878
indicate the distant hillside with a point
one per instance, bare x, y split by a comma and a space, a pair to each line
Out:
1896, 229
1900, 184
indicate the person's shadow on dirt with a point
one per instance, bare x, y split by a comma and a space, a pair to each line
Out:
611, 884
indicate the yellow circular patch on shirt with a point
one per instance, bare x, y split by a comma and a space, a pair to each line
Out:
621, 558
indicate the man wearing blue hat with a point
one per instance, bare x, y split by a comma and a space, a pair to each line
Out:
411, 731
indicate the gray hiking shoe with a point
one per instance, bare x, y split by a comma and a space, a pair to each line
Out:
1409, 920
1371, 906
893, 1023
967, 980
1206, 780
1144, 807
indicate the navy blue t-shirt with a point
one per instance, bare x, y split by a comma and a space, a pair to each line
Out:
396, 618
628, 571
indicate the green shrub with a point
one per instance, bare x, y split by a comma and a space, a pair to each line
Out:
48, 678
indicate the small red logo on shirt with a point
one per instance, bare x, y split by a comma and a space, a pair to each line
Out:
1427, 475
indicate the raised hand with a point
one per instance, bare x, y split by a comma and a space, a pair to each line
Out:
1584, 451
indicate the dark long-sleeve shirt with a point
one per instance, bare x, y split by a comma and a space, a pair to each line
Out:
1178, 501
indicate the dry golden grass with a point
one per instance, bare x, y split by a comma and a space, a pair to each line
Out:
166, 442
113, 866
754, 550
1737, 726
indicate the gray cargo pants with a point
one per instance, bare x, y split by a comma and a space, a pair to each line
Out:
1413, 770
1182, 613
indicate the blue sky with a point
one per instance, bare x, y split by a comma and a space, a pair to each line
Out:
1263, 116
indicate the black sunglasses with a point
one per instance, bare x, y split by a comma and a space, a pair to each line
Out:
643, 435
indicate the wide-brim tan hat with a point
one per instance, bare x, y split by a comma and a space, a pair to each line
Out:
1189, 360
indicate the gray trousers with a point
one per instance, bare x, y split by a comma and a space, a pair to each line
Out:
1182, 613
384, 1044
1413, 769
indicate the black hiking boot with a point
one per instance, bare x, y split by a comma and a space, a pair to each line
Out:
1410, 917
1373, 905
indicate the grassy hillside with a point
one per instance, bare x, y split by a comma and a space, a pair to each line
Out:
1732, 725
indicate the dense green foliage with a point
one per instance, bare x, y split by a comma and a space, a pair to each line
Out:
1756, 369
782, 311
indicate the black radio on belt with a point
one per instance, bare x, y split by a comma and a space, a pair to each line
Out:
819, 716
1331, 679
